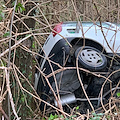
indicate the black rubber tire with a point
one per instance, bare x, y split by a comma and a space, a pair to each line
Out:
86, 65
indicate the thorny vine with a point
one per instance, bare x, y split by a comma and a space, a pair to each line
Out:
16, 44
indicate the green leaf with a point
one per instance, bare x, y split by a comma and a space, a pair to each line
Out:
3, 63
21, 10
77, 107
94, 114
96, 118
30, 76
2, 14
33, 45
20, 7
23, 71
13, 3
1, 18
73, 116
118, 94
66, 119
108, 116
100, 60
100, 114
16, 9
51, 117
61, 116
22, 99
6, 34
27, 35
43, 118
34, 61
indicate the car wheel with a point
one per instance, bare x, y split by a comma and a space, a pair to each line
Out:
91, 58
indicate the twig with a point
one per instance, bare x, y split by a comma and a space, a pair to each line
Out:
17, 78
3, 112
7, 73
15, 45
10, 94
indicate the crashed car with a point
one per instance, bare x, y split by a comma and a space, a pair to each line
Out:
77, 51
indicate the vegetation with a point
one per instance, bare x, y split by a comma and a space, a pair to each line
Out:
25, 25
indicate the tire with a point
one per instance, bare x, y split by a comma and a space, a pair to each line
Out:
91, 58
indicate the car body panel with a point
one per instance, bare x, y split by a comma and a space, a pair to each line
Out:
92, 32
88, 30
57, 53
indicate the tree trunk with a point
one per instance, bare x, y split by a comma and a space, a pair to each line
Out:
23, 59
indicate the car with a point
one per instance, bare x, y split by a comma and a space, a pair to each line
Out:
78, 50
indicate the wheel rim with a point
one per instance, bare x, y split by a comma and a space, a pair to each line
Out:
91, 57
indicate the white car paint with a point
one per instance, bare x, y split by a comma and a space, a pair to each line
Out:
87, 30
